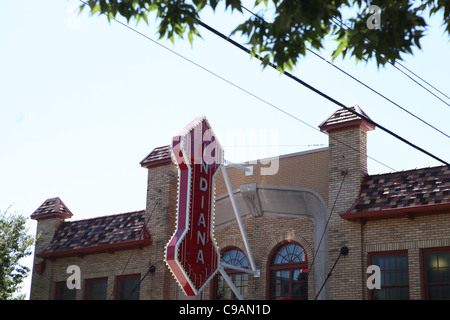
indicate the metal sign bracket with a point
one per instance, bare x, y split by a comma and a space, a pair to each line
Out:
253, 270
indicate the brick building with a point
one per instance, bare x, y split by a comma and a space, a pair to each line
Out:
296, 222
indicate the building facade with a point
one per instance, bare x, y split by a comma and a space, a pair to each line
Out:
297, 220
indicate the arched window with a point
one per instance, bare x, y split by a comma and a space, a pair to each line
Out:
289, 273
237, 258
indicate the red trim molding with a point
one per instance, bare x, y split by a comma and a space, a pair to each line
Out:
156, 163
108, 248
358, 123
405, 212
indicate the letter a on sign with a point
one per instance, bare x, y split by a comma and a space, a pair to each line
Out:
192, 254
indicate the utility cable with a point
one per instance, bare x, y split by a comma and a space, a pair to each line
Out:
151, 269
360, 82
341, 24
296, 79
344, 174
242, 89
132, 252
417, 76
448, 104
378, 93
342, 252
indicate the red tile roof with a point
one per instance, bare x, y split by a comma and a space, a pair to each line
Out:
102, 234
343, 118
159, 156
52, 207
425, 189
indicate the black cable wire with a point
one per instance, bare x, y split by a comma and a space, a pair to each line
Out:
344, 173
296, 79
362, 83
341, 24
132, 252
448, 104
242, 89
287, 74
378, 93
417, 76
150, 270
342, 252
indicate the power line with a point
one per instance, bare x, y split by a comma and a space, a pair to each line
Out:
132, 252
378, 93
242, 89
344, 174
417, 76
288, 74
151, 269
341, 24
362, 83
342, 252
419, 84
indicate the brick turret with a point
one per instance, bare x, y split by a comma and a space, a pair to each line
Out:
347, 168
49, 215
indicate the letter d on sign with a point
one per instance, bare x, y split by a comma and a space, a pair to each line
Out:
73, 282
374, 281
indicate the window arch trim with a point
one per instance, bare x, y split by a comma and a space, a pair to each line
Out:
231, 272
291, 266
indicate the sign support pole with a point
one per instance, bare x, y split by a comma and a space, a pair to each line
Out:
237, 215
239, 222
231, 284
238, 218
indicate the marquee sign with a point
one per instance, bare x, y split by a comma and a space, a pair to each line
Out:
192, 253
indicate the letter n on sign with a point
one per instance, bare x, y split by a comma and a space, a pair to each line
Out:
192, 254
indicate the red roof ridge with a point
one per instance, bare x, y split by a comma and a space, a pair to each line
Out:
158, 157
51, 208
108, 215
343, 119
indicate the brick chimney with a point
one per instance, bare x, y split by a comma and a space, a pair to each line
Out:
162, 188
49, 215
346, 169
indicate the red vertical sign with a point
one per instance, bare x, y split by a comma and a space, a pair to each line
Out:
192, 253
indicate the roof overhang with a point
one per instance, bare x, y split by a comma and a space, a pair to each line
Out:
395, 213
108, 248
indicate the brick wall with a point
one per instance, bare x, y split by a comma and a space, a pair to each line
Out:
264, 234
41, 282
306, 169
105, 265
347, 166
161, 212
411, 235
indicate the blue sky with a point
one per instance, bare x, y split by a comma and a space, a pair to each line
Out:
83, 101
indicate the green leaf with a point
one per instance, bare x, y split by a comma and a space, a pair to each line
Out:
95, 9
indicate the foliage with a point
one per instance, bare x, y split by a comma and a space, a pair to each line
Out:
15, 244
296, 25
